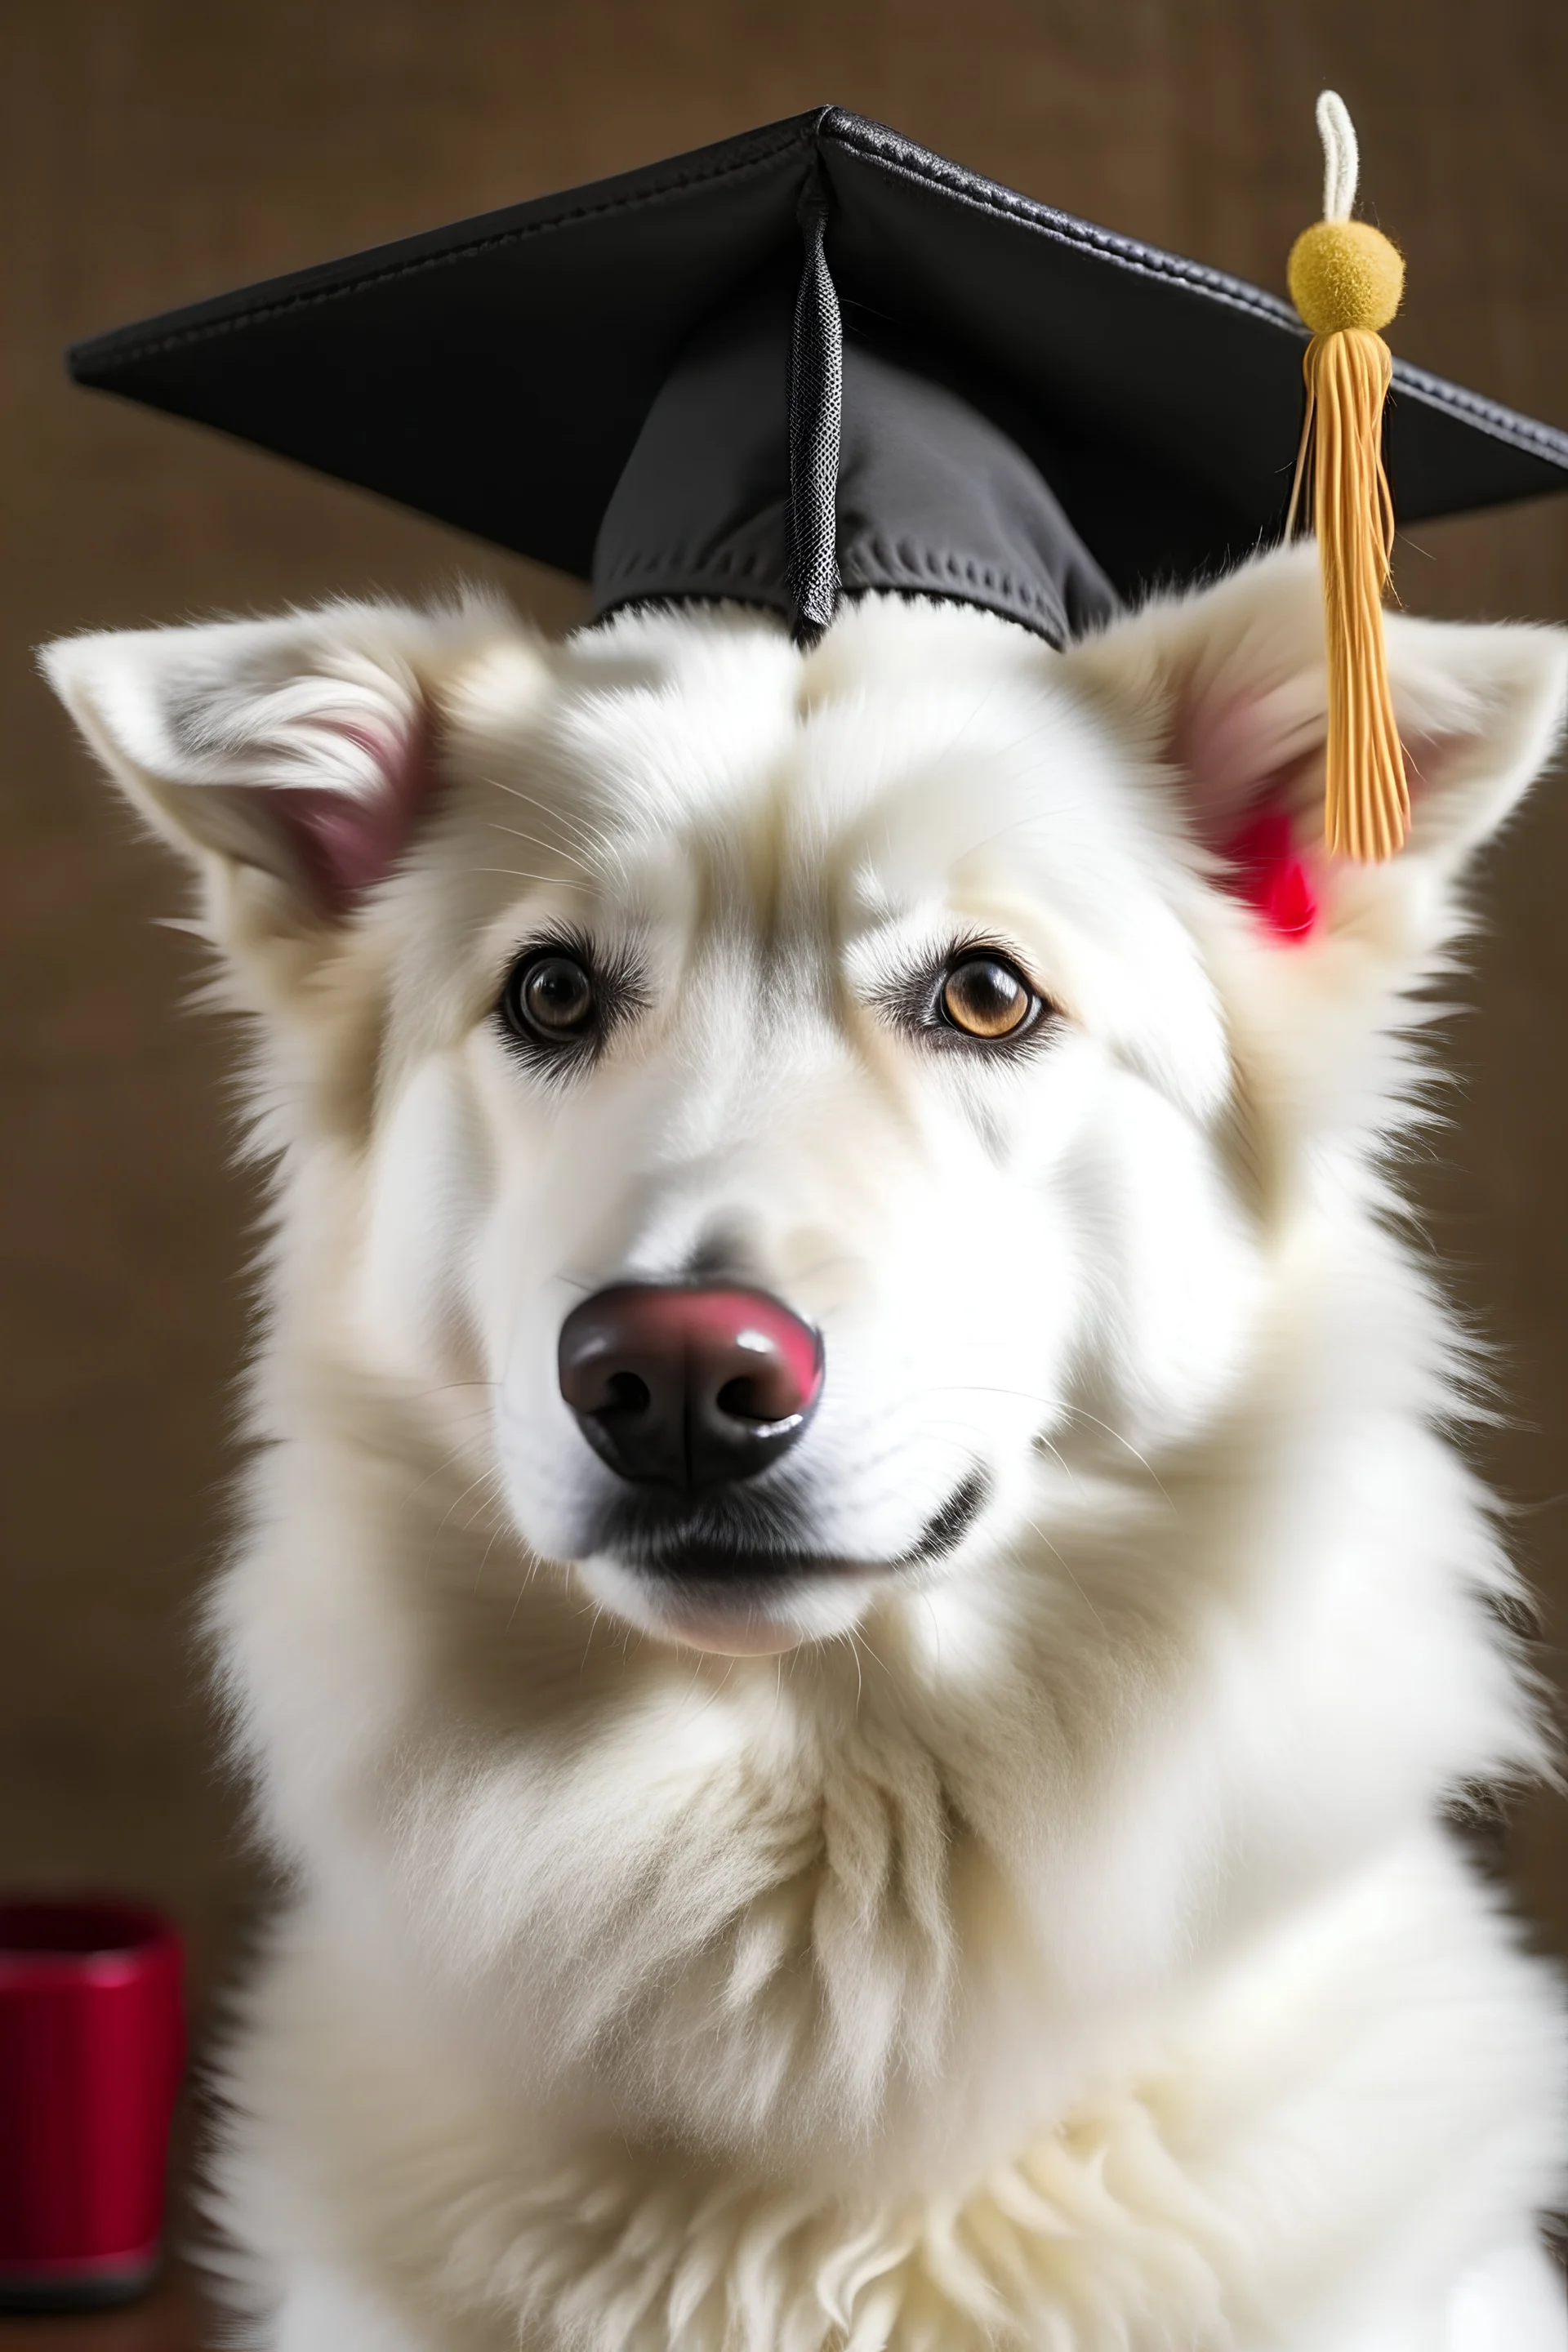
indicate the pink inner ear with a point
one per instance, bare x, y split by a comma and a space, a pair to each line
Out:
346, 843
1269, 874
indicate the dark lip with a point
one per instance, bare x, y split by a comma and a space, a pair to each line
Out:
700, 1560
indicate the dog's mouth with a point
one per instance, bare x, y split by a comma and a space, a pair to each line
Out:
735, 1581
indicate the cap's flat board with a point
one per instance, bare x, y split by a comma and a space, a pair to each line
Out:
496, 373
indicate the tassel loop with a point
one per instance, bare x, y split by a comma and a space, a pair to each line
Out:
1346, 280
816, 427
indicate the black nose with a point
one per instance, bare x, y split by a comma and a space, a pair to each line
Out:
689, 1388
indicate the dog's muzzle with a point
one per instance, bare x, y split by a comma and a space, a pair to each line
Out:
687, 1395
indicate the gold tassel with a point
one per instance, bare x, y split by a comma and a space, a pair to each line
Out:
1346, 280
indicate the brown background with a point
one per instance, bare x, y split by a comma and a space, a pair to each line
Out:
155, 151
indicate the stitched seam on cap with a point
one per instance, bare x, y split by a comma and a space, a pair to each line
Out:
984, 195
1503, 423
390, 272
682, 562
920, 564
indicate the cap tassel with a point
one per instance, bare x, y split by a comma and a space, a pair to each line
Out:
1346, 280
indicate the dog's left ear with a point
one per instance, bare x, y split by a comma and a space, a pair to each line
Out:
1226, 690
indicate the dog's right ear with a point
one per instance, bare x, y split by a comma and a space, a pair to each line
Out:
292, 761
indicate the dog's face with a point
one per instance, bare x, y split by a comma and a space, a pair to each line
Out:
808, 1098
860, 990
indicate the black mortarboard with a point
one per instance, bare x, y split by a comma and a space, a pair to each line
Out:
809, 357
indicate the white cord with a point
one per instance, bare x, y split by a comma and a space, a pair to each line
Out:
1341, 159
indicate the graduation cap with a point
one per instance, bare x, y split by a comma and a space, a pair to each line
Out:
816, 359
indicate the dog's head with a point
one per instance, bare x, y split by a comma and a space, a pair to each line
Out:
802, 1093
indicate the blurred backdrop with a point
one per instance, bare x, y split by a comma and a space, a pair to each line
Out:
155, 151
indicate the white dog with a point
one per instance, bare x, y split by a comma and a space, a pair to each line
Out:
856, 1621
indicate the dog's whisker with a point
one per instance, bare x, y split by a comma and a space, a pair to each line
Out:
1042, 1439
931, 1608
1068, 1572
535, 841
848, 1636
596, 840
516, 874
489, 1479
448, 1456
1053, 1404
484, 1558
1079, 1413
861, 1636
582, 1661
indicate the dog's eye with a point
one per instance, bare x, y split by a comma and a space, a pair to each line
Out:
986, 998
551, 998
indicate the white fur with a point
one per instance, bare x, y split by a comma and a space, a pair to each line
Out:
1061, 1946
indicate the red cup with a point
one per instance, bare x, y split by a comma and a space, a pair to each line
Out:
91, 2051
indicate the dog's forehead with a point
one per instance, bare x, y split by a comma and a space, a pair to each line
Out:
873, 770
